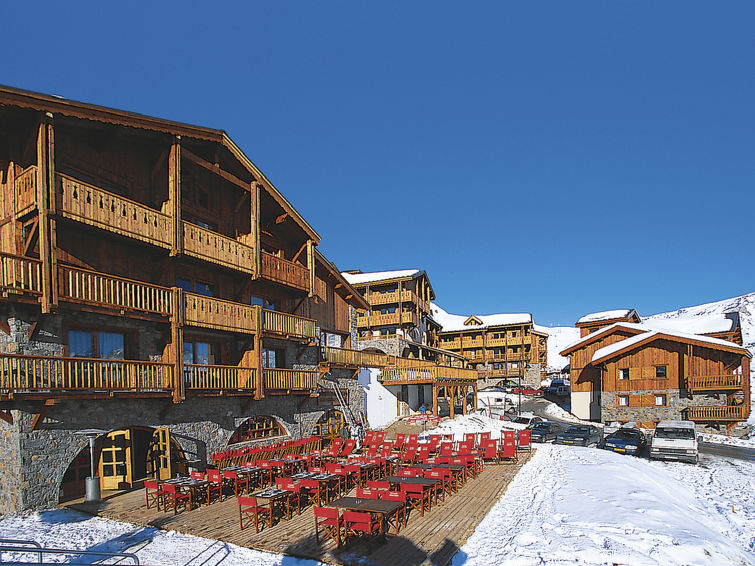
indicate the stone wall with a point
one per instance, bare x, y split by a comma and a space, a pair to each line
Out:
675, 405
10, 465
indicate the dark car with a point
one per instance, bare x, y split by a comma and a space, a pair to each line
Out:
582, 435
625, 441
545, 431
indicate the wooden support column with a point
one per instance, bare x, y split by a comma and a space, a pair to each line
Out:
259, 390
435, 399
474, 392
256, 219
746, 381
174, 196
311, 264
452, 390
176, 342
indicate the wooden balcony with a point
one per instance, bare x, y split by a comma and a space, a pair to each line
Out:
98, 289
379, 337
219, 314
289, 379
40, 374
714, 382
353, 358
437, 374
407, 296
20, 275
284, 272
211, 378
288, 325
380, 319
26, 190
216, 248
97, 207
450, 344
718, 413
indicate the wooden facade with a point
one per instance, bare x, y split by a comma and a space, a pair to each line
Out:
634, 373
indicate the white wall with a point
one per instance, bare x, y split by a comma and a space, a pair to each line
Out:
580, 404
381, 403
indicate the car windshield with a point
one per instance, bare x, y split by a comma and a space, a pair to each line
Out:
675, 433
541, 427
522, 420
626, 434
578, 430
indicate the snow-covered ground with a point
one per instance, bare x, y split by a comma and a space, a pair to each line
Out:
559, 337
567, 505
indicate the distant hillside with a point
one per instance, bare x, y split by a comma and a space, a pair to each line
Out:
560, 337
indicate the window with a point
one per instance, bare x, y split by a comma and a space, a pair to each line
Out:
623, 400
273, 358
198, 287
200, 353
257, 427
660, 372
269, 304
660, 400
624, 373
96, 344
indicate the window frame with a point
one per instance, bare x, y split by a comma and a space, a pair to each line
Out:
658, 368
622, 400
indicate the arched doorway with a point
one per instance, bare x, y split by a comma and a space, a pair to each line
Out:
257, 428
123, 459
330, 424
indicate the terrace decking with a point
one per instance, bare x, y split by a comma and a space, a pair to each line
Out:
432, 539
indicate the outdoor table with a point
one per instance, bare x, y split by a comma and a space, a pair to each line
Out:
251, 473
382, 508
459, 470
426, 483
326, 481
193, 486
271, 497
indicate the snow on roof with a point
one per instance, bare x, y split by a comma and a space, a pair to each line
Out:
705, 324
455, 322
629, 342
357, 278
605, 315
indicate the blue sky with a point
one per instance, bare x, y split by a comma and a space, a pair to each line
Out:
550, 157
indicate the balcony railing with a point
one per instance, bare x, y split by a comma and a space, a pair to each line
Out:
407, 296
289, 379
97, 207
90, 287
213, 378
29, 374
718, 413
288, 324
217, 248
379, 337
26, 189
20, 275
714, 382
429, 375
284, 272
353, 358
209, 312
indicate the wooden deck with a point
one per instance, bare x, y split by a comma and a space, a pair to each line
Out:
432, 539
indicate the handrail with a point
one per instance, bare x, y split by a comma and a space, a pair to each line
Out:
356, 358
217, 248
211, 312
98, 207
21, 274
437, 373
289, 379
200, 376
289, 324
284, 271
712, 382
20, 373
83, 285
26, 188
718, 412
45, 550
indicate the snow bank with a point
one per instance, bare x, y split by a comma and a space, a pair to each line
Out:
592, 507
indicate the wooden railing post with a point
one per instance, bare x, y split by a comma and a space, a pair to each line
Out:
176, 338
259, 390
311, 264
256, 216
174, 195
47, 226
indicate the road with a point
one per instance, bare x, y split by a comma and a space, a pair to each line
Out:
537, 406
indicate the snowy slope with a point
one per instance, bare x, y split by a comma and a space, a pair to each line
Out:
559, 337
744, 305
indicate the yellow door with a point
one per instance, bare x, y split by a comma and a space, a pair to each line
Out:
115, 460
162, 453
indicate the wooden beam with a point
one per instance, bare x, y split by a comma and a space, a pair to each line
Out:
33, 329
6, 416
32, 237
40, 416
282, 218
4, 326
233, 179
45, 253
174, 196
301, 249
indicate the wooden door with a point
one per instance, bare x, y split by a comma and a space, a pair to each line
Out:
162, 453
115, 460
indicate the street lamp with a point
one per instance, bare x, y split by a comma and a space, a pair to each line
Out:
92, 482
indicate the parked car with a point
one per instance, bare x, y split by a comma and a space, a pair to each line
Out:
674, 440
625, 441
492, 402
583, 435
529, 420
558, 387
527, 391
545, 431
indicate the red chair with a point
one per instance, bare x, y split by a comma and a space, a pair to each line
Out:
337, 469
331, 523
447, 449
239, 483
410, 473
409, 456
314, 491
356, 523
424, 453
484, 437
357, 474
197, 475
434, 442
266, 472
173, 498
293, 497
372, 451
386, 449
417, 497
400, 441
153, 494
215, 487
348, 448
399, 518
490, 452
368, 437
525, 440
367, 493
250, 512
439, 488
470, 438
381, 485
508, 453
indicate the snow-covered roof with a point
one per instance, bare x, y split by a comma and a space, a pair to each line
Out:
357, 278
605, 331
608, 351
704, 324
455, 322
605, 315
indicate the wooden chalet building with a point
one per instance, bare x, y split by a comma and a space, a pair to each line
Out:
499, 346
156, 286
624, 370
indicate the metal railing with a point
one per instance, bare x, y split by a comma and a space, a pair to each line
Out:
16, 546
